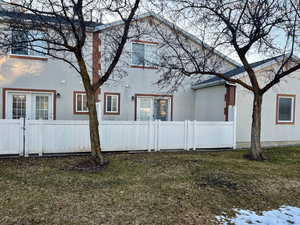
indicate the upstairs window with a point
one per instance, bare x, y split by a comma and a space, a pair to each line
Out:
286, 109
144, 54
28, 43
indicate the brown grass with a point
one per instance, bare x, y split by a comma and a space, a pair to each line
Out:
151, 188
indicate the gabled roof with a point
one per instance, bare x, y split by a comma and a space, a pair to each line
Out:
234, 72
168, 23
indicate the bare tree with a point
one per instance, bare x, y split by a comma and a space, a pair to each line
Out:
63, 28
243, 27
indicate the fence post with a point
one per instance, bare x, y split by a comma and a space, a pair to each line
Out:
42, 131
22, 137
149, 135
194, 136
185, 135
99, 111
26, 130
234, 126
158, 135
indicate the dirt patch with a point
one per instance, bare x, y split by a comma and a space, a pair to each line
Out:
218, 179
88, 166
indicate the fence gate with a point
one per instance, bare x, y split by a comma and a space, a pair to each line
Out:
12, 137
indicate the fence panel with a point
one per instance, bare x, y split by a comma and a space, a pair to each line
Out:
124, 135
11, 137
45, 137
57, 136
172, 135
214, 134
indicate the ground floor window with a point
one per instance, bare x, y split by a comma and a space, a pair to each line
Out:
112, 103
285, 109
80, 103
153, 107
33, 104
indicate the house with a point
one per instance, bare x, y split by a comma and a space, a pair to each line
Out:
280, 108
40, 87
45, 88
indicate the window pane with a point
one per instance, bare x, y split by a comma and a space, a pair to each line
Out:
79, 103
161, 107
285, 109
114, 106
19, 106
84, 103
145, 109
108, 103
42, 107
138, 54
19, 42
38, 47
151, 56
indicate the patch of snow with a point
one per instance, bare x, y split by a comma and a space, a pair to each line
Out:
285, 215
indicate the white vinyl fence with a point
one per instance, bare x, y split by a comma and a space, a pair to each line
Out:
46, 137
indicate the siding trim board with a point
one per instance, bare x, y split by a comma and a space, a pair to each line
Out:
146, 42
29, 57
152, 95
144, 67
229, 99
5, 90
277, 109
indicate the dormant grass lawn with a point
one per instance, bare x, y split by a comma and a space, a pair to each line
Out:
149, 188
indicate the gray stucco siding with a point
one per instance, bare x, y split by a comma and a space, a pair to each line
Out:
271, 133
210, 103
142, 81
45, 75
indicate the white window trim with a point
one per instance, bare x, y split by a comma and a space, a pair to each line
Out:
117, 111
141, 43
76, 103
30, 93
293, 97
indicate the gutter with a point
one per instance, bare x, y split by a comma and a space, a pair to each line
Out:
207, 85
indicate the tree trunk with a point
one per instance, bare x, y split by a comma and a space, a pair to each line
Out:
97, 156
256, 150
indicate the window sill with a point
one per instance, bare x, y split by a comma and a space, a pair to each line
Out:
144, 67
30, 57
81, 113
285, 123
112, 113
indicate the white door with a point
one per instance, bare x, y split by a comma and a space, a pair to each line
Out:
41, 107
34, 106
144, 108
17, 105
153, 108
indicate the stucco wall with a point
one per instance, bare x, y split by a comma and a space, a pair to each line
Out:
141, 81
210, 103
50, 74
34, 74
272, 133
